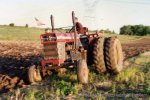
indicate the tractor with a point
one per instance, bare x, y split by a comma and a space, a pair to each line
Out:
62, 50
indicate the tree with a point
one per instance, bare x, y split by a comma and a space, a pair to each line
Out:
147, 30
139, 30
126, 30
12, 24
26, 25
107, 31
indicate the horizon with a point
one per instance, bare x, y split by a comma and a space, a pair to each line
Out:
94, 14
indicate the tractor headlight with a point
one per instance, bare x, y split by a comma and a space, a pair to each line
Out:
45, 38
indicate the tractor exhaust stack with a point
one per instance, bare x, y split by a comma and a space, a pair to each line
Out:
75, 31
52, 23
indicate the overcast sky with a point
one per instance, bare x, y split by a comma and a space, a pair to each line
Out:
95, 14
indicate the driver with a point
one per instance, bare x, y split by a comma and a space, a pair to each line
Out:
80, 29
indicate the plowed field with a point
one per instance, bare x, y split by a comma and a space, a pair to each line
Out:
17, 56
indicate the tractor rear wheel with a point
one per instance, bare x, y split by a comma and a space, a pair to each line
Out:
113, 55
34, 74
98, 55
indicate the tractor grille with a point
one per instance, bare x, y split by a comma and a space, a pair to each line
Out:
50, 51
54, 50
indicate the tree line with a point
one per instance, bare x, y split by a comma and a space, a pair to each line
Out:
139, 30
12, 25
107, 31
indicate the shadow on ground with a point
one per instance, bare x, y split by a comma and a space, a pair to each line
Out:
13, 71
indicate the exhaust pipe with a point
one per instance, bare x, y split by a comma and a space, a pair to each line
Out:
75, 31
52, 22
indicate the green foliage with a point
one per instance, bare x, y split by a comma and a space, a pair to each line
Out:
126, 74
66, 84
113, 89
64, 88
147, 30
139, 30
107, 31
134, 76
26, 25
30, 95
126, 30
127, 82
12, 24
147, 90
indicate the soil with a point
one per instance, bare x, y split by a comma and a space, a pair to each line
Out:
136, 47
17, 56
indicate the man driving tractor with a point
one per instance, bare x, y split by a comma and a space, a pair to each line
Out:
79, 27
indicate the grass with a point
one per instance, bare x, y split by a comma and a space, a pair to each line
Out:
20, 33
125, 38
134, 79
33, 34
135, 75
141, 59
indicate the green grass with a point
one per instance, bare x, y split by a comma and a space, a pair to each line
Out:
125, 38
20, 33
137, 73
141, 59
58, 86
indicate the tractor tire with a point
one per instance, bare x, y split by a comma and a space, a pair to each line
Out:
113, 55
34, 75
82, 71
98, 55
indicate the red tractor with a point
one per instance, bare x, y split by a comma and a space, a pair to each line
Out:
70, 48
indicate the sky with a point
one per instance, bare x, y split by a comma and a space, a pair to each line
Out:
94, 14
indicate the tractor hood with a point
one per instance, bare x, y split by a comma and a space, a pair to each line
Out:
58, 37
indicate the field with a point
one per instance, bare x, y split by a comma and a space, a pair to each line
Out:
20, 48
19, 33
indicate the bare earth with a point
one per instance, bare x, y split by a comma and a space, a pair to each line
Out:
16, 57
134, 48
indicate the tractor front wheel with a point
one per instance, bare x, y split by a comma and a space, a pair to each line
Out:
82, 71
34, 74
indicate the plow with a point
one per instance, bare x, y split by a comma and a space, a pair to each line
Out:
62, 50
